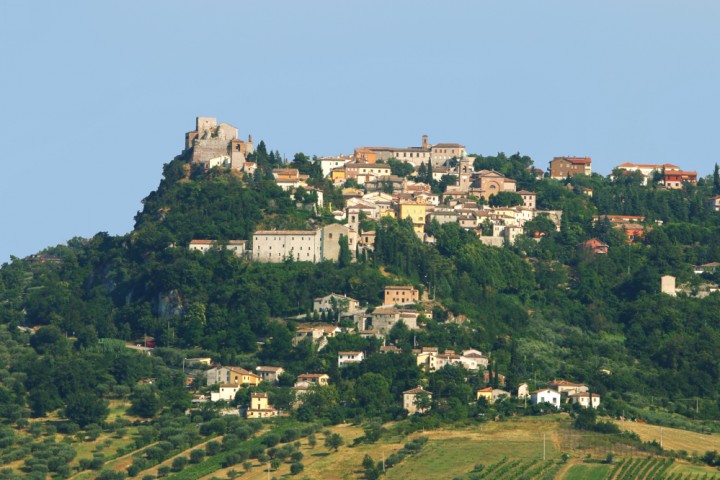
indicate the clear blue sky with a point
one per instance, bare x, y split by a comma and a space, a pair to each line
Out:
96, 96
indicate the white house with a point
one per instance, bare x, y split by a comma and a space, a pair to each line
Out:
585, 399
237, 247
345, 358
545, 395
523, 391
227, 392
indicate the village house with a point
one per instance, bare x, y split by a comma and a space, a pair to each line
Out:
647, 170
231, 375
307, 380
565, 387
363, 172
714, 203
415, 211
289, 178
529, 199
546, 395
585, 399
563, 167
384, 319
345, 358
401, 295
327, 164
226, 392
596, 247
485, 393
706, 268
259, 406
675, 179
523, 391
237, 247
317, 334
410, 400
269, 374
667, 285
333, 301
491, 395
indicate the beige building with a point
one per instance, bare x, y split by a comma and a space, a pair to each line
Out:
315, 246
585, 399
563, 167
384, 319
667, 285
437, 154
211, 142
307, 380
231, 375
269, 374
399, 295
334, 301
238, 247
529, 199
409, 400
259, 406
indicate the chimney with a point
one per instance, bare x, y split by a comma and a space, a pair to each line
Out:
424, 141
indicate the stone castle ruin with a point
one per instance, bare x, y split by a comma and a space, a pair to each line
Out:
215, 145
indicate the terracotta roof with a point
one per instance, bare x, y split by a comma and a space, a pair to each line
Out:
286, 232
575, 160
415, 390
259, 395
313, 375
565, 383
268, 369
584, 394
350, 353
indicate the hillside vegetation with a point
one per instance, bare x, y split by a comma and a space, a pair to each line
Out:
543, 308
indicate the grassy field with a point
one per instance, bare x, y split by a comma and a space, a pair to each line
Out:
587, 472
673, 438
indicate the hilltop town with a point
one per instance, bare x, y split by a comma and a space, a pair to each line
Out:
399, 304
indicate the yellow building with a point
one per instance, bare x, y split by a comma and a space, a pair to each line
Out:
416, 211
259, 406
486, 393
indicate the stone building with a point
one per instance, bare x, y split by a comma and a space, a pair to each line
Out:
212, 144
437, 154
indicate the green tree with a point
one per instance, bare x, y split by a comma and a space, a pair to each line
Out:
334, 441
85, 408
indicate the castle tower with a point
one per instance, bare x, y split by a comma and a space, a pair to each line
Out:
425, 142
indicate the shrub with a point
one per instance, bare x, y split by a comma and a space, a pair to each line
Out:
296, 468
213, 447
197, 455
271, 439
179, 463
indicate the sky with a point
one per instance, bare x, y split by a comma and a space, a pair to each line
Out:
96, 96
